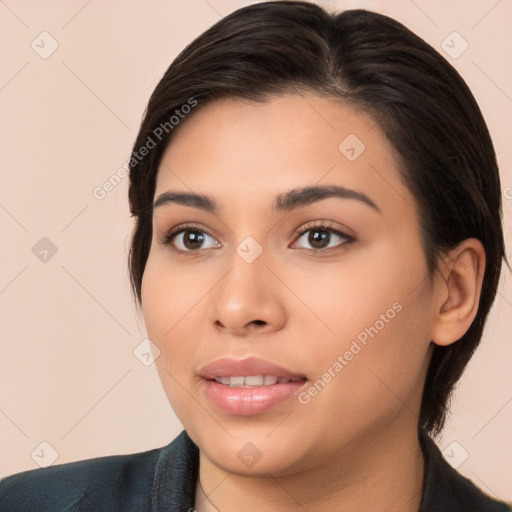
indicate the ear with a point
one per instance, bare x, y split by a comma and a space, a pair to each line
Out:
458, 288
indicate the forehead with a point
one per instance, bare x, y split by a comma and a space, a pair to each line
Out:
245, 149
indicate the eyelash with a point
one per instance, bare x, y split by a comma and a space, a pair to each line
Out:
171, 234
322, 226
168, 237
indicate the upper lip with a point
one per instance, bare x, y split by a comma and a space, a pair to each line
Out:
229, 367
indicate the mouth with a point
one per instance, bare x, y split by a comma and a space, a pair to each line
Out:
253, 381
249, 386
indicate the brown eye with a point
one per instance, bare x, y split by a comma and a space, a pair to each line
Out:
193, 240
190, 239
321, 238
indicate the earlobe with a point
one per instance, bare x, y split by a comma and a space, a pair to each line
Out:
458, 290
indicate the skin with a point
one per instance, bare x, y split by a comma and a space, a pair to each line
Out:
354, 445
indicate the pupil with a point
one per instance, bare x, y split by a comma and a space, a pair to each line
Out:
319, 239
193, 239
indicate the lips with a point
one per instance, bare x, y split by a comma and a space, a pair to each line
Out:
228, 367
248, 386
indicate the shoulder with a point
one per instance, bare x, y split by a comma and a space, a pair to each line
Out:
119, 482
446, 489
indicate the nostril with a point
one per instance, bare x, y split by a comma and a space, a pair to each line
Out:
259, 322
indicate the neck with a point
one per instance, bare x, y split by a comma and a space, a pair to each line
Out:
382, 471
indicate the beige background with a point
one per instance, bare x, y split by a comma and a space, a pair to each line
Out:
68, 373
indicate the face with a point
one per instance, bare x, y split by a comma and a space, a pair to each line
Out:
285, 246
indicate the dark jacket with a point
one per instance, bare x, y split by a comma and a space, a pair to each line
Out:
164, 479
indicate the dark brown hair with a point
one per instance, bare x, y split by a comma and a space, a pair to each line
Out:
370, 60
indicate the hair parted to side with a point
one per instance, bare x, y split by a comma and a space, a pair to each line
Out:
372, 62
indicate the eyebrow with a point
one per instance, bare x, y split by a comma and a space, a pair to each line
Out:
285, 202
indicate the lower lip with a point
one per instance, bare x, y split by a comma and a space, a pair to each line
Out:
250, 401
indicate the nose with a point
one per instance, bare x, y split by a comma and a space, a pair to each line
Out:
248, 300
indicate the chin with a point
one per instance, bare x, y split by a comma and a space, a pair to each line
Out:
256, 450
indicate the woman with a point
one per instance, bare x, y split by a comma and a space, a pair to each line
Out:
317, 246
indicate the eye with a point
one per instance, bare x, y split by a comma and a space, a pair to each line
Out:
321, 237
189, 238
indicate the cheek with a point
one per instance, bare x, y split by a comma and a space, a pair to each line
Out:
377, 343
380, 336
168, 294
363, 296
166, 301
173, 309
364, 382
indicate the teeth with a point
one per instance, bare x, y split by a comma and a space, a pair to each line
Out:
256, 380
251, 381
236, 382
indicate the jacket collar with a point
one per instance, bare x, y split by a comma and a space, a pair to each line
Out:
175, 477
446, 489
